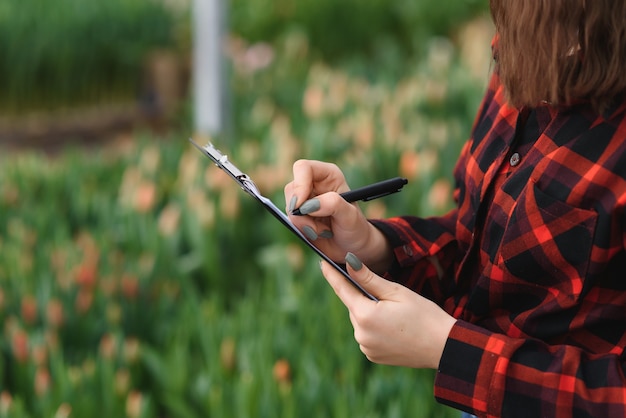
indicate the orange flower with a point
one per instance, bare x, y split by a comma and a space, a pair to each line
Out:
84, 300
337, 92
439, 134
313, 101
364, 130
130, 286
440, 194
19, 345
40, 355
216, 179
149, 160
10, 194
429, 161
64, 411
54, 313
145, 197
409, 164
29, 309
474, 41
86, 275
107, 346
134, 403
282, 371
436, 91
189, 165
203, 208
390, 118
169, 220
42, 381
229, 203
269, 178
131, 349
5, 402
295, 255
87, 243
52, 339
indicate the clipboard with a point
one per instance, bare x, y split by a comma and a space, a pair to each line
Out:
246, 183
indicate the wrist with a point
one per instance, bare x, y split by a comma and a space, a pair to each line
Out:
441, 338
378, 256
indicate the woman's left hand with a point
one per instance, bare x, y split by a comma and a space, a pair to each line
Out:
401, 329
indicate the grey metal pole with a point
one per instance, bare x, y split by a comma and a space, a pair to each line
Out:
209, 75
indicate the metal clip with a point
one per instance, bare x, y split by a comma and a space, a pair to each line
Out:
221, 160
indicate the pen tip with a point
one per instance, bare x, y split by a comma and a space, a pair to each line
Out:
296, 212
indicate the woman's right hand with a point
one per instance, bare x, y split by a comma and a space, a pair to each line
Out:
334, 225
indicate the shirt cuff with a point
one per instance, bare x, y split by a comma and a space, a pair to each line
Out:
406, 252
470, 375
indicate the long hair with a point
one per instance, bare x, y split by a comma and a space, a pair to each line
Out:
561, 51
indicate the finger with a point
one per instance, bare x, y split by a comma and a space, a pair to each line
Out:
332, 205
375, 285
363, 276
315, 232
290, 198
311, 178
346, 292
312, 228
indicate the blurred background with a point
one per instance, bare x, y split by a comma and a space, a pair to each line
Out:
136, 280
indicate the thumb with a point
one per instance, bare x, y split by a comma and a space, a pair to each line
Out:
374, 284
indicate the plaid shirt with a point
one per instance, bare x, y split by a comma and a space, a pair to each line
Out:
532, 262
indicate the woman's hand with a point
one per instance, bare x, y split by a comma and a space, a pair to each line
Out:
336, 226
402, 329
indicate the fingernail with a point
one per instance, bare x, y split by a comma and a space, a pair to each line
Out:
309, 206
354, 262
309, 232
292, 203
326, 234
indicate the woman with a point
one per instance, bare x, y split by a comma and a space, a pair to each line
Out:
518, 295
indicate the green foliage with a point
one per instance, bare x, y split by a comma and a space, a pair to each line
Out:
68, 52
337, 29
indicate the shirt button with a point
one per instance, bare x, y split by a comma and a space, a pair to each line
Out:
408, 250
515, 159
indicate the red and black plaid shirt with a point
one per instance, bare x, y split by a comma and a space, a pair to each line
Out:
532, 262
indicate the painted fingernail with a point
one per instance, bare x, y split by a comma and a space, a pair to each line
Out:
354, 262
292, 203
326, 234
310, 206
309, 232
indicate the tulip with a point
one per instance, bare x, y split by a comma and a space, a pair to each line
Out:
19, 346
29, 309
42, 381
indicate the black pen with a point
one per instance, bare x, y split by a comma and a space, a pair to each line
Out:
370, 192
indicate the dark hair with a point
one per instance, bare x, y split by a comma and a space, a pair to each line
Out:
561, 50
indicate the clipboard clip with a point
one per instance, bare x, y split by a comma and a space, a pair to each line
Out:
221, 160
